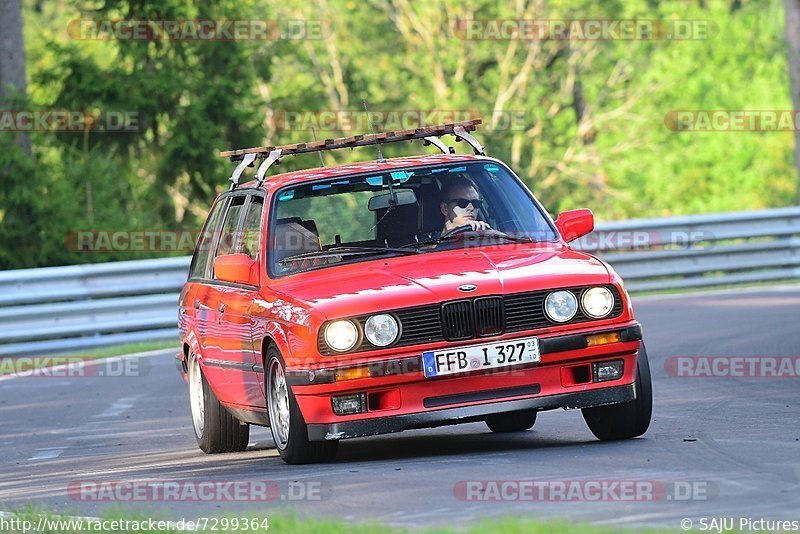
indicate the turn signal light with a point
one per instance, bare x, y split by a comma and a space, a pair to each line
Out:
602, 339
351, 373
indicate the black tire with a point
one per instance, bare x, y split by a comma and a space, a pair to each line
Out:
512, 421
292, 443
626, 420
220, 431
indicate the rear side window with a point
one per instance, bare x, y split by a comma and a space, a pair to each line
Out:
202, 253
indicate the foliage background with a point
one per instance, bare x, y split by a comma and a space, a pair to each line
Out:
594, 132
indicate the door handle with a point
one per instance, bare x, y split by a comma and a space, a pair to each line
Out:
197, 305
221, 307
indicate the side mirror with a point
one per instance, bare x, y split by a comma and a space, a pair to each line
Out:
573, 224
236, 268
382, 201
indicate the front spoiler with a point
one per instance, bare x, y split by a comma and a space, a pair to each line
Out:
469, 414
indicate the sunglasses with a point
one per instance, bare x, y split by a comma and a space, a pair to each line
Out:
464, 202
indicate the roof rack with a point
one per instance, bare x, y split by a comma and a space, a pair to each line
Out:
430, 134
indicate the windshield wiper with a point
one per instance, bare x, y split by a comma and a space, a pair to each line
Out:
349, 251
496, 235
515, 238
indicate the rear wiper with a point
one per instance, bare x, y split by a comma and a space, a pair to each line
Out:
348, 251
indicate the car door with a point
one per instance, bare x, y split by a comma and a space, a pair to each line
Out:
230, 355
192, 308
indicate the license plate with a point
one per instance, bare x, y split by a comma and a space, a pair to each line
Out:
479, 357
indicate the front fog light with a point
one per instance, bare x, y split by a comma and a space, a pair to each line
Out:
381, 330
349, 404
597, 302
604, 371
341, 336
561, 306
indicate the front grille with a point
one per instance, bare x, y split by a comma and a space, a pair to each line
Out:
489, 316
479, 317
458, 320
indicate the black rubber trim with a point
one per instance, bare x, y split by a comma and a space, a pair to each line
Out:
477, 396
231, 365
632, 333
254, 417
400, 366
413, 364
562, 343
468, 414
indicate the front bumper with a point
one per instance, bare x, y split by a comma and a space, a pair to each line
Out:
416, 402
468, 414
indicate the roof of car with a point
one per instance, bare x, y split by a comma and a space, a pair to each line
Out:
316, 173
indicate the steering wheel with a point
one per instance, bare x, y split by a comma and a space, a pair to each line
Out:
458, 230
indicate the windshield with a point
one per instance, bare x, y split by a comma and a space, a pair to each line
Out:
426, 209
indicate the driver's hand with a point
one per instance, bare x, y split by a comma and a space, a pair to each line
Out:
476, 225
464, 221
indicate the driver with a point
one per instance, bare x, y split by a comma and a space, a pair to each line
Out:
460, 205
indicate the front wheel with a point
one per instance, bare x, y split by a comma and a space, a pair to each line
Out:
289, 430
628, 419
215, 428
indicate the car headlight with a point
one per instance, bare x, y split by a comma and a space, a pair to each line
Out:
341, 336
597, 302
381, 330
561, 306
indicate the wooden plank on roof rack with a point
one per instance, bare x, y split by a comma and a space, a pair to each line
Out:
354, 141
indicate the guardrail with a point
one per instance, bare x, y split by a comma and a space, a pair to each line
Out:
69, 309
700, 250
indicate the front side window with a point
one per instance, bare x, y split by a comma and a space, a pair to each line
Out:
251, 230
357, 218
229, 236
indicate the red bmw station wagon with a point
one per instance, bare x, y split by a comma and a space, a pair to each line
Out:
376, 297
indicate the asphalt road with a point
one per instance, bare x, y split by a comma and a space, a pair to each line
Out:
734, 441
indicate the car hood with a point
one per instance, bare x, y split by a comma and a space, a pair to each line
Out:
405, 281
